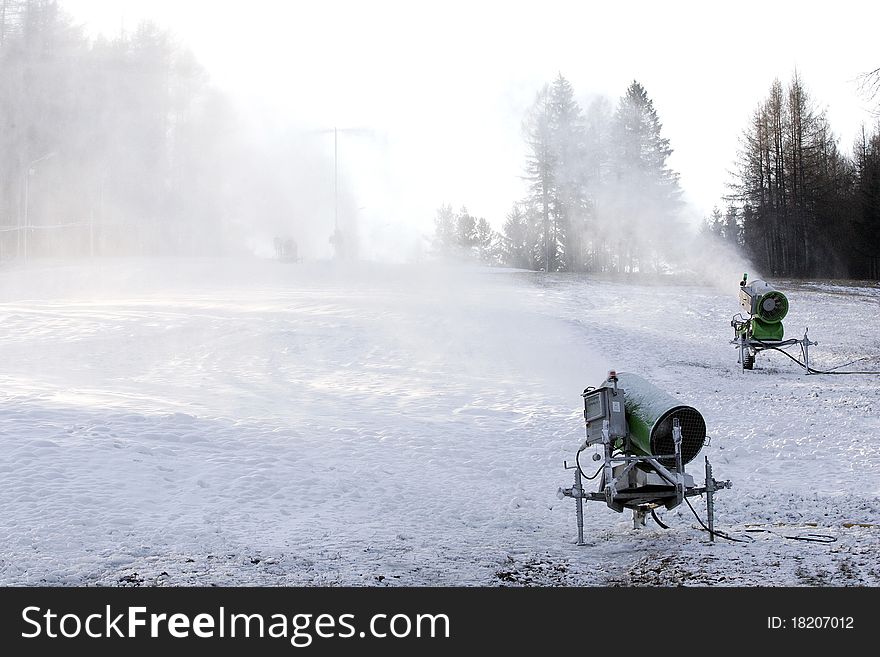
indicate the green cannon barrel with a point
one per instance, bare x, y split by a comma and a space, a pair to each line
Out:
650, 413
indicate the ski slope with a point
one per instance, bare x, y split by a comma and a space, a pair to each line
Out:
171, 423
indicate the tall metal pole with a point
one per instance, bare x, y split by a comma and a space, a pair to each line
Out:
20, 224
27, 176
27, 223
335, 183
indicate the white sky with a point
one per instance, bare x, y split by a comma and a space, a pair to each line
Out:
445, 85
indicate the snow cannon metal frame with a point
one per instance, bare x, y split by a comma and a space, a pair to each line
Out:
646, 438
761, 327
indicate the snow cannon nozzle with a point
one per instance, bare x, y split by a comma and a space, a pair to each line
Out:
742, 283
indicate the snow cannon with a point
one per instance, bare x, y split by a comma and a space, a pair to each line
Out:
766, 306
644, 437
761, 327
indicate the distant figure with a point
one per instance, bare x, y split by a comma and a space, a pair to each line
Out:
290, 250
286, 250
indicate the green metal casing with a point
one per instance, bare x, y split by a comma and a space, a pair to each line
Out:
762, 330
650, 412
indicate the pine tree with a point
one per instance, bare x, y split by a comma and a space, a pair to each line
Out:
556, 170
568, 135
714, 222
465, 237
596, 170
645, 191
465, 233
541, 165
444, 230
518, 245
486, 242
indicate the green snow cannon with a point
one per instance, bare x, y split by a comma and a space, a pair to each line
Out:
649, 415
767, 308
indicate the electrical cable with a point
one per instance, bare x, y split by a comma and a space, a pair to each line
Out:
836, 367
657, 520
577, 460
715, 531
809, 538
739, 322
813, 538
764, 345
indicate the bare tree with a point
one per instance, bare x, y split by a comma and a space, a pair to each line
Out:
793, 181
869, 84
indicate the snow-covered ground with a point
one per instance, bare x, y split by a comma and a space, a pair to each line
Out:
207, 422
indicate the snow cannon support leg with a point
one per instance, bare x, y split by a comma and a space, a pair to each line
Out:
639, 516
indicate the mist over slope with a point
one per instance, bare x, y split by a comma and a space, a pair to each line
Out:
253, 422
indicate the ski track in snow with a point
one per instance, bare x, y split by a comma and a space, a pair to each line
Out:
202, 423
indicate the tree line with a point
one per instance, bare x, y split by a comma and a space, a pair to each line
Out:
120, 145
601, 196
107, 145
799, 206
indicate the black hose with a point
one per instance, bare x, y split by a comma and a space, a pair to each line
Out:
764, 345
657, 520
812, 538
577, 460
715, 531
808, 538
